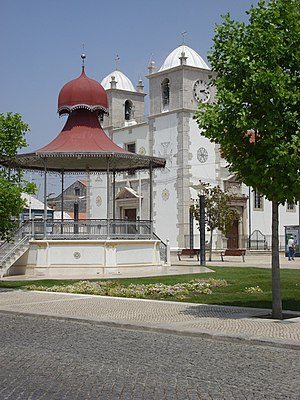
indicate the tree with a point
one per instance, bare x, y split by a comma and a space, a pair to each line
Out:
256, 117
12, 138
218, 213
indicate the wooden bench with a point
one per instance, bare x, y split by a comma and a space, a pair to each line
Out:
233, 252
188, 252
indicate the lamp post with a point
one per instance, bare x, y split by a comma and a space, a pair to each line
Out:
191, 215
202, 228
76, 209
200, 188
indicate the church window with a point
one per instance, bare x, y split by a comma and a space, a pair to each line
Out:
291, 206
258, 200
165, 92
130, 147
128, 110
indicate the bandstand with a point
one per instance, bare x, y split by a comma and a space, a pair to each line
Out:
83, 248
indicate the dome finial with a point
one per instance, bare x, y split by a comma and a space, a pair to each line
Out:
183, 37
83, 56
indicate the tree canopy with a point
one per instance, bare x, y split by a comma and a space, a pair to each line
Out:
256, 116
218, 211
12, 138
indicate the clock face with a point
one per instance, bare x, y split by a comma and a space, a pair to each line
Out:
201, 91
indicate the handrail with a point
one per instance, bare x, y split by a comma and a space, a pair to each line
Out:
162, 249
16, 235
14, 248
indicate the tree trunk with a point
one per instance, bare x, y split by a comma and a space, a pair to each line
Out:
276, 294
210, 245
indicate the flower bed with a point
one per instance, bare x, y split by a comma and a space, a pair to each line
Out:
178, 291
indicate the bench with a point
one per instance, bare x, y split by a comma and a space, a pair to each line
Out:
188, 252
233, 252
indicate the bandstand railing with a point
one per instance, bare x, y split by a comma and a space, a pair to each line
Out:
98, 229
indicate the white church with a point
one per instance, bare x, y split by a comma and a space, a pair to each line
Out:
169, 131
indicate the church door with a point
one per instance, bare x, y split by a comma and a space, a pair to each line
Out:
130, 214
233, 236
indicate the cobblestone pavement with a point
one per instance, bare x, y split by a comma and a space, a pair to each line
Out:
184, 318
60, 359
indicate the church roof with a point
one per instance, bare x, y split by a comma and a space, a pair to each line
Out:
122, 81
127, 193
193, 58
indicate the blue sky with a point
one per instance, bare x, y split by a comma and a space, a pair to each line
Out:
41, 42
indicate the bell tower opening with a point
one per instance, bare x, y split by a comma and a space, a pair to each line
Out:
165, 92
128, 110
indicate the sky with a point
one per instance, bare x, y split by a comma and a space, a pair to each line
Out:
42, 40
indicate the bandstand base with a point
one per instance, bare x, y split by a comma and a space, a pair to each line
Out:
86, 258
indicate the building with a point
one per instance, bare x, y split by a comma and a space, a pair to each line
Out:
34, 209
169, 131
74, 198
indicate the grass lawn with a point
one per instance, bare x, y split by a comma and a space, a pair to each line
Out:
231, 295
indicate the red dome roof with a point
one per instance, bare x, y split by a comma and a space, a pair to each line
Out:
82, 92
82, 133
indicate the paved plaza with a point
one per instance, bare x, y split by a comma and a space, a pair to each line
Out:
67, 346
183, 318
190, 319
45, 358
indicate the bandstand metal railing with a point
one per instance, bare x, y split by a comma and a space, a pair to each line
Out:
86, 229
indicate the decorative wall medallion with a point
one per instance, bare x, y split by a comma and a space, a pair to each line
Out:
98, 201
165, 194
202, 155
77, 255
166, 153
142, 151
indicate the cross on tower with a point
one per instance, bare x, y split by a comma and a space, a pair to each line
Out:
183, 35
117, 59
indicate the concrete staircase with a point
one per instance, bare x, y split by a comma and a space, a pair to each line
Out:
11, 251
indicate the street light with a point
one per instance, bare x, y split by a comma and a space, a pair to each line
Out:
76, 209
202, 228
200, 187
191, 215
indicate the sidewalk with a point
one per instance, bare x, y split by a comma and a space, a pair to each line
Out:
226, 323
182, 318
252, 259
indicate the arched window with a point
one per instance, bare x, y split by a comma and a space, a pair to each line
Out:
128, 110
165, 93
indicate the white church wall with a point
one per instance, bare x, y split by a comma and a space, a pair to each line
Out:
97, 196
262, 219
203, 157
165, 191
137, 134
